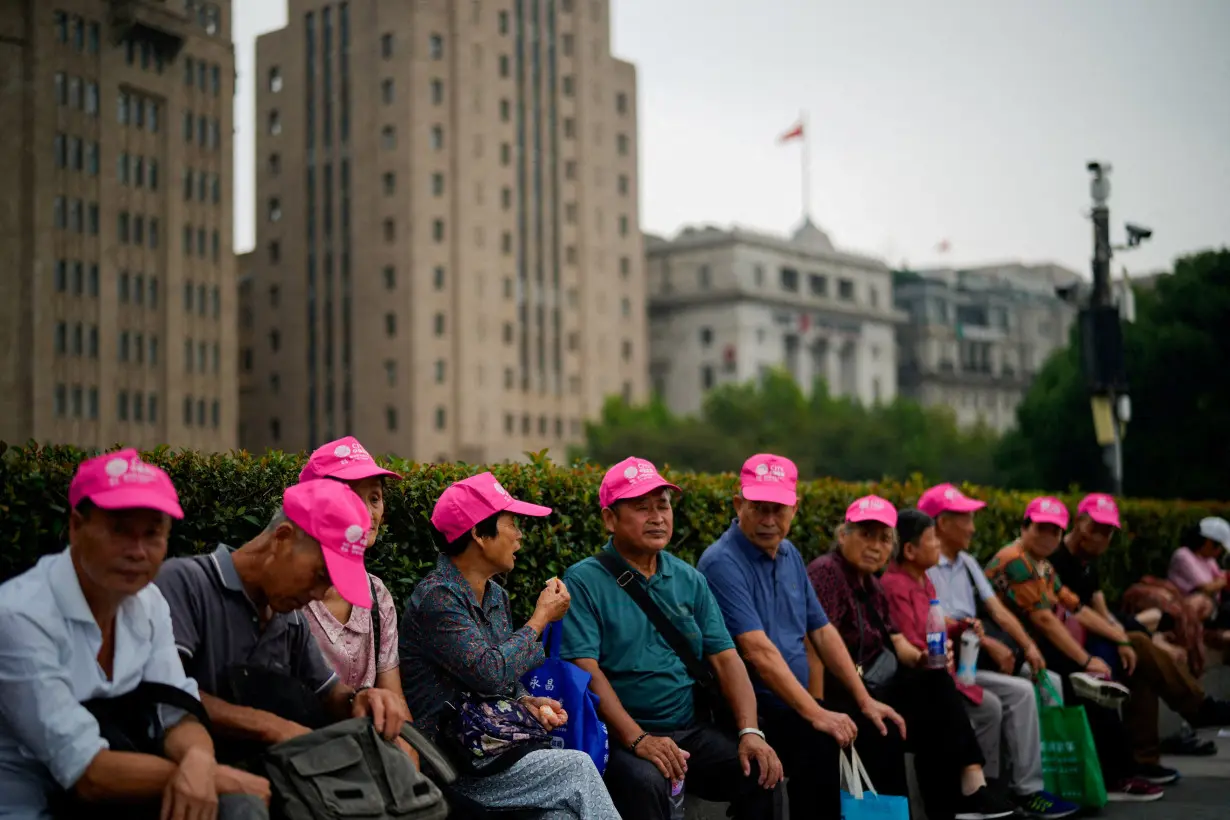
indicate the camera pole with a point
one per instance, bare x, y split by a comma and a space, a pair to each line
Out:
1104, 348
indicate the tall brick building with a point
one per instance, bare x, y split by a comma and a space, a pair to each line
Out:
448, 262
117, 299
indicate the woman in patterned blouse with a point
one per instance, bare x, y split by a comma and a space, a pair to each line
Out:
947, 760
457, 637
345, 633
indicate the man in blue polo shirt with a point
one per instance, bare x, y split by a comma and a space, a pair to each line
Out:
646, 690
771, 609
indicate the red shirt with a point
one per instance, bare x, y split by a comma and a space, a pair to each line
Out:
909, 602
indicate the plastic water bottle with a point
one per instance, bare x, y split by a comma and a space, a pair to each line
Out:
967, 662
677, 799
937, 637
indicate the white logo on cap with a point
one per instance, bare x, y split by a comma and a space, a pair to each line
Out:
950, 493
499, 488
116, 467
341, 451
762, 469
629, 473
353, 533
870, 504
1104, 502
1048, 506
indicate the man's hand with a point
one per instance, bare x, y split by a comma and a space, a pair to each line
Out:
235, 781
878, 712
836, 724
191, 793
1033, 657
1098, 668
976, 625
387, 710
752, 747
1000, 655
662, 752
1127, 655
550, 713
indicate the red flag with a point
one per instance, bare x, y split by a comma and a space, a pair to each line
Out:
793, 134
944, 246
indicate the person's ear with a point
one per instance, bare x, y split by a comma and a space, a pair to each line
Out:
608, 518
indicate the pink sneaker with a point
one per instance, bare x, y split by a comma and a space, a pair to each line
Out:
1134, 790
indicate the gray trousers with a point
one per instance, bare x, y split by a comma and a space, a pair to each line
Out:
1008, 714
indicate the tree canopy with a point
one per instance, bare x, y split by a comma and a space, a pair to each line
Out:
1178, 440
823, 435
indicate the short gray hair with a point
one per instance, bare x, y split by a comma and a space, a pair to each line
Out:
279, 516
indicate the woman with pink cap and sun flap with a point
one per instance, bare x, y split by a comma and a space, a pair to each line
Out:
347, 634
458, 645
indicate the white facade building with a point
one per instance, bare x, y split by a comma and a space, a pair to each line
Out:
728, 305
976, 337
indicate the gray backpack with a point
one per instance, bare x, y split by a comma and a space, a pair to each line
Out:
347, 770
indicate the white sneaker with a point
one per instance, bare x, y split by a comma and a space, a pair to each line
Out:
1103, 692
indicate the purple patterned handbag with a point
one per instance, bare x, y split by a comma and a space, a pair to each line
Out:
489, 735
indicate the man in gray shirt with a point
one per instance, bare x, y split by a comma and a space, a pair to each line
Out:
239, 631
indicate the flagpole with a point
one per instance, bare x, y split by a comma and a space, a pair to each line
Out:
806, 159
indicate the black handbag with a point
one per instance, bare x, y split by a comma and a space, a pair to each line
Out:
131, 723
709, 704
879, 674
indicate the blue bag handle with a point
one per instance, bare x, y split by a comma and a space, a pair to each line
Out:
551, 639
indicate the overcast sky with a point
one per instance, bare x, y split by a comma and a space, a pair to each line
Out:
959, 120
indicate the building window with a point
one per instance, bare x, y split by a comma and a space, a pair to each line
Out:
386, 46
275, 79
441, 418
275, 340
505, 111
275, 124
505, 154
509, 334
121, 406
275, 209
570, 128
437, 92
390, 419
505, 66
789, 279
568, 85
439, 324
390, 325
437, 184
440, 371
438, 278
706, 377
621, 144
275, 429
390, 372
623, 226
818, 284
437, 230
386, 91
437, 137
390, 230
388, 137
845, 290
435, 47
390, 277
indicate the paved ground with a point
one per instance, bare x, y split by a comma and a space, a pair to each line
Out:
1202, 794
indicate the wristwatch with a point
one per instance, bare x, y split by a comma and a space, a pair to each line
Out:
755, 732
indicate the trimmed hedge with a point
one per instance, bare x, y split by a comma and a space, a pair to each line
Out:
230, 497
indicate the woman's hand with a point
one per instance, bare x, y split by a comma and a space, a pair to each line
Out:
553, 601
550, 713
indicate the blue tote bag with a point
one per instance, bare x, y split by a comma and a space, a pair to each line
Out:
862, 802
569, 684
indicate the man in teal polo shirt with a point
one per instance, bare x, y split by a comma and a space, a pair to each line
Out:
644, 686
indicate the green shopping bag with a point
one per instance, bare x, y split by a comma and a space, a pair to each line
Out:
1070, 764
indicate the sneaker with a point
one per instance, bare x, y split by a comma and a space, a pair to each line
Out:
1134, 790
1212, 713
1045, 804
984, 805
1155, 774
1103, 692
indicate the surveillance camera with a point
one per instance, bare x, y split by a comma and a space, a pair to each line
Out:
1138, 232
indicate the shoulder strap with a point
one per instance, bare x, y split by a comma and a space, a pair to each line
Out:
371, 583
631, 583
149, 693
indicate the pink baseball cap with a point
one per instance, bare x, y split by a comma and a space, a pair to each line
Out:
122, 481
1101, 508
872, 508
1047, 510
334, 516
631, 478
944, 498
343, 460
766, 477
475, 499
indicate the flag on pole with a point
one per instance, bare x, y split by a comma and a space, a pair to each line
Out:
944, 246
793, 134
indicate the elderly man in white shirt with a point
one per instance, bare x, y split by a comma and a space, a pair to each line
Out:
86, 624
